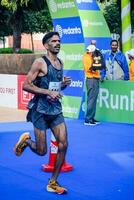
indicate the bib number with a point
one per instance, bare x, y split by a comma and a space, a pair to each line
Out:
55, 86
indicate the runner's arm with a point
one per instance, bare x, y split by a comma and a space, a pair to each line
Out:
37, 67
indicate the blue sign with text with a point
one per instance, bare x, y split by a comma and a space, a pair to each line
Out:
87, 5
69, 29
77, 84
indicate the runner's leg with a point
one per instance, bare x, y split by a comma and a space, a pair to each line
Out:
60, 134
39, 146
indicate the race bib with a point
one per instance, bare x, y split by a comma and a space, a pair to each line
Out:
55, 86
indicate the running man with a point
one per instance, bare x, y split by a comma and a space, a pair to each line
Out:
45, 80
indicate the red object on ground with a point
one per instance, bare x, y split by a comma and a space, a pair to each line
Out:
53, 153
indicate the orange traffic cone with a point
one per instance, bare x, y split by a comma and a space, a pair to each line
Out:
53, 152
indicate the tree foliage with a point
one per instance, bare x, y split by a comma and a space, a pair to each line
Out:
18, 9
36, 22
112, 13
32, 16
13, 4
5, 29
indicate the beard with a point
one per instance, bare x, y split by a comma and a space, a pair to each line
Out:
55, 51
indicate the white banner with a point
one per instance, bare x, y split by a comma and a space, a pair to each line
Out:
8, 91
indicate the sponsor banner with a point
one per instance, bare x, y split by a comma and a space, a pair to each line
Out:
71, 106
69, 29
23, 96
94, 24
62, 8
71, 55
87, 5
103, 43
67, 16
8, 91
116, 101
77, 84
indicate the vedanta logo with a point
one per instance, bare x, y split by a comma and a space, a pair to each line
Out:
63, 5
86, 23
70, 57
68, 31
76, 84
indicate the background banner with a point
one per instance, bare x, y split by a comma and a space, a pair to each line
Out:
93, 24
8, 91
67, 22
116, 102
77, 23
23, 96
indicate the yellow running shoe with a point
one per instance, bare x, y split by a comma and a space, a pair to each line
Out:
20, 146
53, 186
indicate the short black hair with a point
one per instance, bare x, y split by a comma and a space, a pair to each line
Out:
48, 36
113, 41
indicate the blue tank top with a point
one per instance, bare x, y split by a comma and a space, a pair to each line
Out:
52, 80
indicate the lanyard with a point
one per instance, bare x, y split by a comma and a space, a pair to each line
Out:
111, 62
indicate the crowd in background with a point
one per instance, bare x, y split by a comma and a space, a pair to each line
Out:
112, 65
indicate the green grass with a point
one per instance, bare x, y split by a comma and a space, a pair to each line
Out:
10, 51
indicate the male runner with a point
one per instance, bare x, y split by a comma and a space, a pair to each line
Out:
45, 80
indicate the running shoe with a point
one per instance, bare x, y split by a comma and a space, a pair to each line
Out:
20, 146
90, 123
53, 186
96, 121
